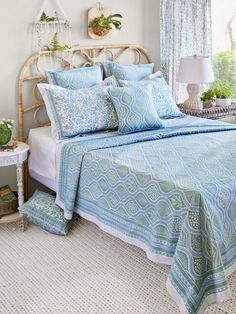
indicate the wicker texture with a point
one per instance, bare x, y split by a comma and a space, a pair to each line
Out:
211, 113
87, 272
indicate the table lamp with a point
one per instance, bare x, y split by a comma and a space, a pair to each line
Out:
195, 70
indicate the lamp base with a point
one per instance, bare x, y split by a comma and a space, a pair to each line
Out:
194, 101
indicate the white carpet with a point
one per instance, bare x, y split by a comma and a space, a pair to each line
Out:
86, 272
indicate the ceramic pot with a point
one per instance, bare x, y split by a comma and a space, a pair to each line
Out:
223, 102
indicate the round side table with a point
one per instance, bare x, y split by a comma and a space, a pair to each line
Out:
16, 157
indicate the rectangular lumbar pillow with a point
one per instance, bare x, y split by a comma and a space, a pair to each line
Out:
76, 112
162, 98
75, 78
130, 72
42, 210
135, 109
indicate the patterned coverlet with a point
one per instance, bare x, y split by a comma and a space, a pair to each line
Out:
172, 192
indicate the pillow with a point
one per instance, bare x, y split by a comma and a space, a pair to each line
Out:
111, 80
76, 112
75, 78
130, 72
42, 210
135, 109
162, 98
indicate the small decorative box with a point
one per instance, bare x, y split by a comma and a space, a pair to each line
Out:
8, 201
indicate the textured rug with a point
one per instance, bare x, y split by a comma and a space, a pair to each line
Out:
87, 272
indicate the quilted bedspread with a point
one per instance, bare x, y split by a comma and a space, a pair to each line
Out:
172, 192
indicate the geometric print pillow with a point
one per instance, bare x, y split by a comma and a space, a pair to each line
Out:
135, 109
76, 112
162, 98
41, 210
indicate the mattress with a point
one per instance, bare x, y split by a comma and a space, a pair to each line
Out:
44, 149
44, 152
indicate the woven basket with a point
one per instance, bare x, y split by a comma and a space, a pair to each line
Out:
8, 201
208, 104
100, 31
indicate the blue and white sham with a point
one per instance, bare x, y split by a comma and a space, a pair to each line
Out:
76, 112
135, 108
76, 78
130, 72
162, 98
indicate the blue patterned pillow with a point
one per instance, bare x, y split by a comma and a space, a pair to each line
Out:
76, 78
42, 210
130, 72
135, 109
162, 98
75, 112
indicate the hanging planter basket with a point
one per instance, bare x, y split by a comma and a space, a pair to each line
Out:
100, 31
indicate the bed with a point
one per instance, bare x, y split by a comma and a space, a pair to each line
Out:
172, 191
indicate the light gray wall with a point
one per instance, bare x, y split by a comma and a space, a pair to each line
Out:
140, 26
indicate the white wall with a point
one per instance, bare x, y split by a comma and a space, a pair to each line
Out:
140, 26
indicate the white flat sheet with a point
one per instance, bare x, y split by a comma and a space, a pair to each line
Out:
44, 150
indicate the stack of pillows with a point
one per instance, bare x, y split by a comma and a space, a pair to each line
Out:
130, 99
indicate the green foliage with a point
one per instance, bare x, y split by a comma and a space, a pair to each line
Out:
224, 64
107, 22
218, 89
222, 90
55, 45
45, 18
5, 131
208, 95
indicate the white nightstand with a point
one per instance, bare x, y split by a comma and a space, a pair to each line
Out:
17, 157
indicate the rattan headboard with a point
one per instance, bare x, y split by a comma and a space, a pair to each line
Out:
33, 72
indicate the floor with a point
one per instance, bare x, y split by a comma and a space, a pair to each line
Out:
88, 271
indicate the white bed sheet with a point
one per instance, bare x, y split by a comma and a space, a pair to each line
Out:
44, 149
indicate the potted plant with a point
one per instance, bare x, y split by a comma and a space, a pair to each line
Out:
102, 25
5, 131
55, 45
208, 98
223, 93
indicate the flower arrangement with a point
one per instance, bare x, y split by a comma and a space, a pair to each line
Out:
5, 131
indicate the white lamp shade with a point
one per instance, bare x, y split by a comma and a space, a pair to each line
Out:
195, 70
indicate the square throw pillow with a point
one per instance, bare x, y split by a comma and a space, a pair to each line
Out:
130, 72
42, 210
75, 78
135, 109
162, 98
76, 112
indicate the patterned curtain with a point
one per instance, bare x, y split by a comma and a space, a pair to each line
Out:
185, 31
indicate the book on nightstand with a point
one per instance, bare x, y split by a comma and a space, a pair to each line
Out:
8, 201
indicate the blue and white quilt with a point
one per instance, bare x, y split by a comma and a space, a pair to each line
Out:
172, 192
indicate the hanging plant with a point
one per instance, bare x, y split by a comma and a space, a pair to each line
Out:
45, 18
102, 25
55, 45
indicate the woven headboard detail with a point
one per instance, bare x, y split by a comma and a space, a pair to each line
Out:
32, 73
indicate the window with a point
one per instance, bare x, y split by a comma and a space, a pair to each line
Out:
224, 41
